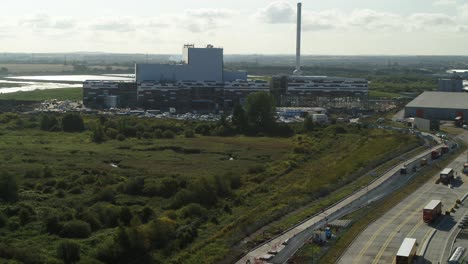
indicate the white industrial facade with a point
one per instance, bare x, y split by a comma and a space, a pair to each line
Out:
199, 64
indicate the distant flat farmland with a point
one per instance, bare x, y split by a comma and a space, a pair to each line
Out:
35, 68
51, 68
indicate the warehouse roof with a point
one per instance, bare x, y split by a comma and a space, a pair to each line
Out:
449, 100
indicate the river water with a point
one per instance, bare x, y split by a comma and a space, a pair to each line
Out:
31, 83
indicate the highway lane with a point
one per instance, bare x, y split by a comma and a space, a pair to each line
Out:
380, 241
301, 233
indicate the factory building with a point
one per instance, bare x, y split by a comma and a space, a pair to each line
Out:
454, 84
199, 64
315, 90
109, 94
199, 83
438, 106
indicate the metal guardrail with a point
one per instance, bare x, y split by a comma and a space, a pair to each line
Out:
331, 206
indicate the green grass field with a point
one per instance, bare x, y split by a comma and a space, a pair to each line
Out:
182, 194
75, 94
380, 94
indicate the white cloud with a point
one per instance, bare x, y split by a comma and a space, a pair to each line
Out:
444, 2
277, 12
358, 19
44, 21
205, 20
464, 11
113, 24
430, 22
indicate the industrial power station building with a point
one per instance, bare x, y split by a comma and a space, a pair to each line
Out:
200, 83
438, 106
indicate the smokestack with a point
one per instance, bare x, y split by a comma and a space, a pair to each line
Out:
298, 71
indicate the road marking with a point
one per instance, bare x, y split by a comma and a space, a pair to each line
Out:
369, 242
410, 234
392, 235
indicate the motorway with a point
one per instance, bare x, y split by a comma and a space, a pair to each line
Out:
380, 241
298, 235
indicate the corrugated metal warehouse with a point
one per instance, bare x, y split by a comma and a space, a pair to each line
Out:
439, 106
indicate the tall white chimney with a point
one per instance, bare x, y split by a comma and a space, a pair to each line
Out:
298, 71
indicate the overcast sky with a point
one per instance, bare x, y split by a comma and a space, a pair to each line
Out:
331, 27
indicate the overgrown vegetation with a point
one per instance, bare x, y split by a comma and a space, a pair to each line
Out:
133, 190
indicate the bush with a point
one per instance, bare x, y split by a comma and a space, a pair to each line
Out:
68, 251
8, 187
105, 195
98, 135
108, 214
189, 134
72, 122
168, 134
125, 215
92, 219
120, 137
52, 225
146, 214
76, 229
24, 216
158, 133
49, 123
193, 210
133, 186
112, 133
255, 169
3, 220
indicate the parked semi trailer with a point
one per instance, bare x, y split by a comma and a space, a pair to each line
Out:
432, 210
446, 175
406, 252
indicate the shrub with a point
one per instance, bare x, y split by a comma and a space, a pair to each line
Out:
76, 229
146, 214
168, 134
158, 133
68, 251
47, 172
125, 215
108, 214
8, 187
255, 169
3, 220
192, 210
98, 135
189, 133
52, 225
72, 122
49, 123
133, 186
112, 133
120, 137
92, 219
24, 216
105, 195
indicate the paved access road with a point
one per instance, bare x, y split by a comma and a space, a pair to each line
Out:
302, 232
380, 241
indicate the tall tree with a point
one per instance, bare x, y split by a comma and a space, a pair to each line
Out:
261, 112
239, 119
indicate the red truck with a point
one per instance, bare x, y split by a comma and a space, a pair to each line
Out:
432, 210
445, 149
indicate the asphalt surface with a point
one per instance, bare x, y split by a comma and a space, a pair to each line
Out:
299, 234
380, 241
